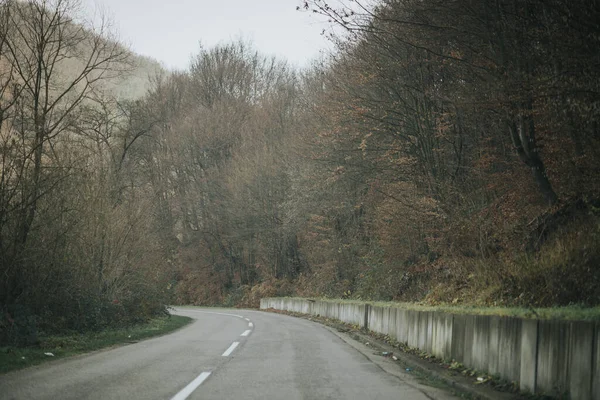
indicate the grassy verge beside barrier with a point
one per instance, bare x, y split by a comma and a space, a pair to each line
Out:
570, 313
12, 358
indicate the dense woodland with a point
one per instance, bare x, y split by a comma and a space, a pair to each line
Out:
447, 151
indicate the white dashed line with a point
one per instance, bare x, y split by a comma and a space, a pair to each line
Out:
186, 391
230, 349
250, 324
247, 319
246, 333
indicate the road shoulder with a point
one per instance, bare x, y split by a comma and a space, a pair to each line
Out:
427, 374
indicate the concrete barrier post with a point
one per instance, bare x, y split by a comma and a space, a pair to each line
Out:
481, 342
596, 363
448, 329
494, 349
458, 338
422, 322
441, 339
401, 325
468, 339
529, 349
385, 320
509, 345
429, 341
553, 358
581, 355
392, 323
413, 328
376, 321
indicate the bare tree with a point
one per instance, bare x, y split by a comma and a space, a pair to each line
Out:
49, 68
42, 41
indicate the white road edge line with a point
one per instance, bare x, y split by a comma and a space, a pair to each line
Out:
246, 333
193, 385
250, 324
230, 349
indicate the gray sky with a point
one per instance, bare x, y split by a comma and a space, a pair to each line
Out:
170, 31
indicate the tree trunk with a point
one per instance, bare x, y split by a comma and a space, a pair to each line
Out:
523, 137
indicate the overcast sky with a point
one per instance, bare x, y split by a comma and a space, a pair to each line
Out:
171, 30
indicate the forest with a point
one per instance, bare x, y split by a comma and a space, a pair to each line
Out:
445, 152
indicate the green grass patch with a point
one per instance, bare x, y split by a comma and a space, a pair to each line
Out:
570, 313
12, 358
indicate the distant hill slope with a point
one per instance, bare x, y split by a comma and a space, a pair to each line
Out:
137, 70
135, 84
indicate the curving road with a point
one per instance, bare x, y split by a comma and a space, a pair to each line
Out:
225, 354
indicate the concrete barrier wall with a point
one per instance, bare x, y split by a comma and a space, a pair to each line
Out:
546, 357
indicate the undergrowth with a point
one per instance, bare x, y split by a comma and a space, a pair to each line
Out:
564, 271
553, 271
52, 347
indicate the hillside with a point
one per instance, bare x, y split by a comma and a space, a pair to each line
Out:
137, 83
429, 159
445, 155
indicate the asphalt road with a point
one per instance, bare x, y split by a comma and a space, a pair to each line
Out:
225, 354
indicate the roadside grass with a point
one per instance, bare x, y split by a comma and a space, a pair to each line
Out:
569, 313
13, 358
